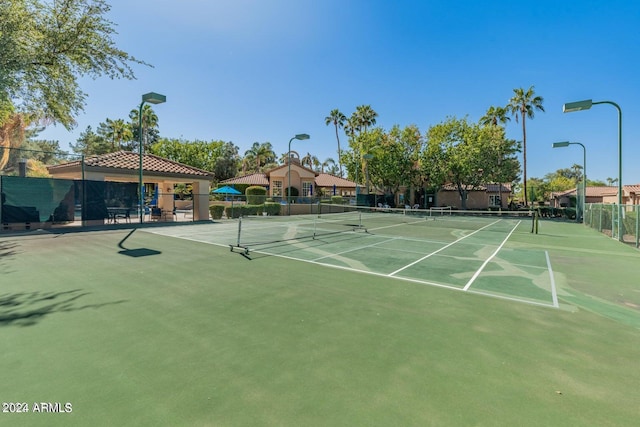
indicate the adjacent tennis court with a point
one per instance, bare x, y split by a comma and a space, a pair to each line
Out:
376, 320
460, 252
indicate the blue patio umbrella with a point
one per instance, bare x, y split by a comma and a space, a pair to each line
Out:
226, 190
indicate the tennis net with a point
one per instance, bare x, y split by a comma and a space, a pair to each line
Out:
257, 231
262, 231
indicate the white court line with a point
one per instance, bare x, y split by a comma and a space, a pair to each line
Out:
395, 225
373, 273
441, 249
484, 264
554, 294
356, 249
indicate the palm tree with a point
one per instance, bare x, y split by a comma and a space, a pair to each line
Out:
611, 181
261, 154
118, 131
149, 122
365, 116
333, 170
327, 163
338, 119
309, 160
360, 120
495, 116
523, 104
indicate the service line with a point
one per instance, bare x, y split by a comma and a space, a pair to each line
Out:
484, 264
441, 249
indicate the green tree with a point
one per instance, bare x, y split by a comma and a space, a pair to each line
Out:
364, 117
90, 143
226, 165
309, 160
116, 132
338, 119
396, 159
357, 125
46, 46
328, 164
11, 136
495, 116
523, 104
199, 154
502, 165
150, 133
259, 154
463, 154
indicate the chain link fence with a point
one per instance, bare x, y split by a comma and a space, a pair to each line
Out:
622, 223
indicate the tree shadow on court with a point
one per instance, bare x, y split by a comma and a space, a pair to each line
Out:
29, 308
138, 252
7, 251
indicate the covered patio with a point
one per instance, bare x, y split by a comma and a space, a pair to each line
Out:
159, 175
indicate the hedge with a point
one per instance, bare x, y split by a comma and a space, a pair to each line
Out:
216, 211
245, 210
255, 194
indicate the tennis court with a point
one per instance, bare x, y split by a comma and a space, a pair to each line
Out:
469, 253
367, 324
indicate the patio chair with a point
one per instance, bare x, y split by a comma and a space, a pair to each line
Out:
156, 214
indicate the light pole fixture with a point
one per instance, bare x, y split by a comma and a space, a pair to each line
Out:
570, 107
300, 136
584, 173
151, 98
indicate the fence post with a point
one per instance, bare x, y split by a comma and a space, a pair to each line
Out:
637, 225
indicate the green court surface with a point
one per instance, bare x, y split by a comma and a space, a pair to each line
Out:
420, 323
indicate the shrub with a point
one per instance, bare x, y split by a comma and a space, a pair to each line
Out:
570, 213
336, 200
243, 210
272, 208
255, 194
216, 211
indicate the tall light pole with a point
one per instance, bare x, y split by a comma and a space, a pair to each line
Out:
584, 173
570, 107
151, 98
366, 158
300, 136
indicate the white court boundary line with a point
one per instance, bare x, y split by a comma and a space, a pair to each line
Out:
384, 275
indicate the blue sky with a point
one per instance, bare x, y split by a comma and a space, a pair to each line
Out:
250, 71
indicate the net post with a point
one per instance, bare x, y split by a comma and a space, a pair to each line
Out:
239, 230
315, 225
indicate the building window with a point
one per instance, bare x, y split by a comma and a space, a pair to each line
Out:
306, 189
277, 189
494, 200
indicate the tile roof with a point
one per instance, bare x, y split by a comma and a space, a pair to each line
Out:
599, 191
253, 179
328, 180
129, 161
321, 180
634, 188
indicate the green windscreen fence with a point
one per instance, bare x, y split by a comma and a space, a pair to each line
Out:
27, 200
